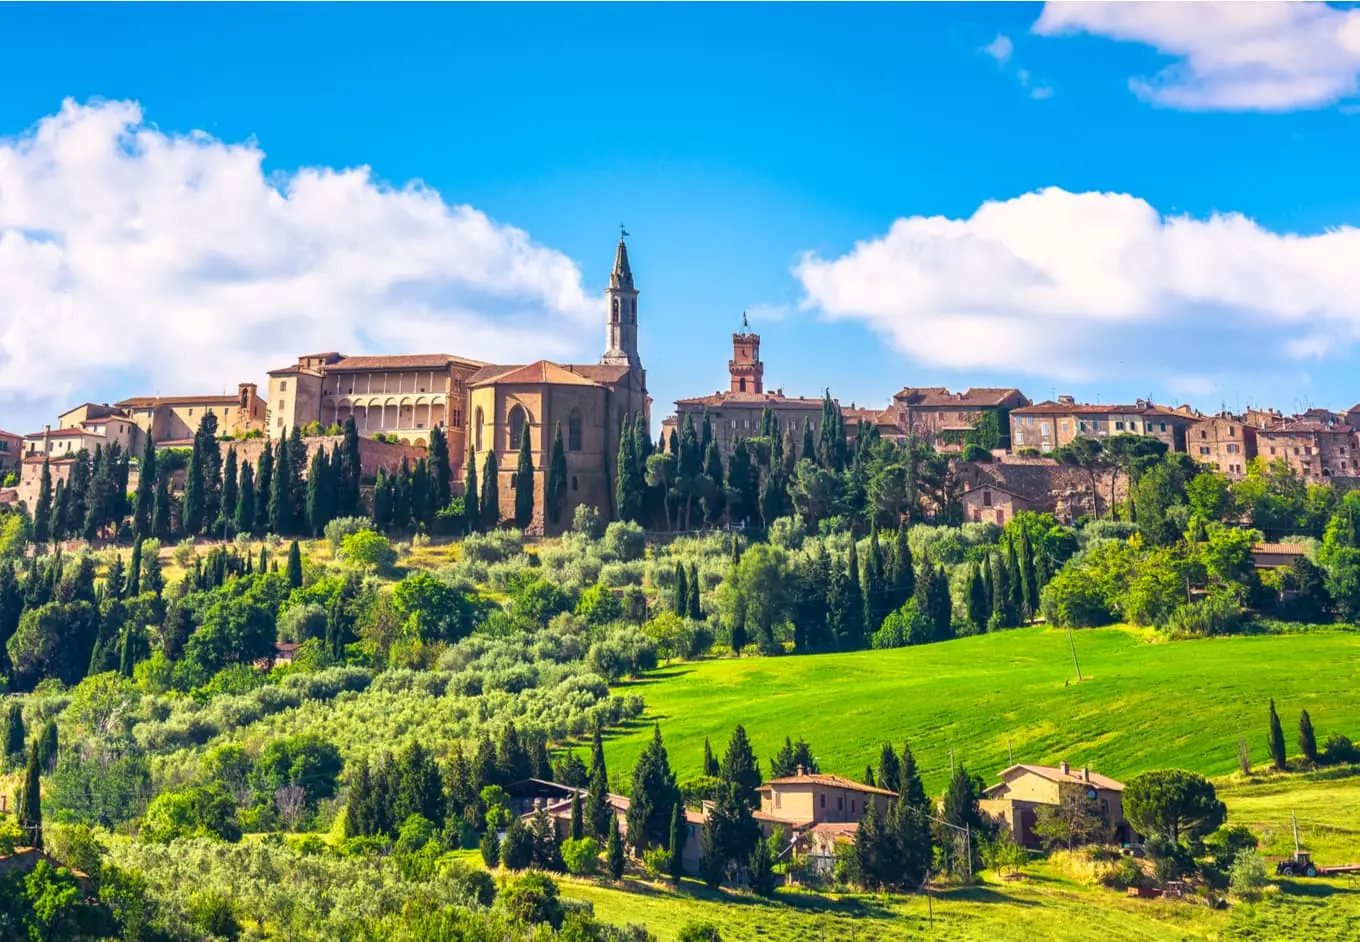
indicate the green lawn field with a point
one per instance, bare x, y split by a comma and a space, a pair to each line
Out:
1013, 694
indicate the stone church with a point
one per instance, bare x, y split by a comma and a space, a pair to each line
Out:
483, 406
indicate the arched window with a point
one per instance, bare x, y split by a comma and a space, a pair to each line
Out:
477, 426
518, 423
616, 310
743, 385
574, 431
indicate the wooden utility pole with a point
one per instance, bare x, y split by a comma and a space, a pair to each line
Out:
1072, 642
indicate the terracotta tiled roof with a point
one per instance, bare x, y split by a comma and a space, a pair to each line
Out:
599, 372
835, 828
62, 433
1307, 427
405, 361
729, 398
4, 434
1071, 776
829, 781
142, 402
1083, 408
977, 396
290, 370
1282, 549
541, 372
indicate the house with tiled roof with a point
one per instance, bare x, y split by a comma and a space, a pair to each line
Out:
1024, 789
1316, 448
1045, 426
176, 418
942, 417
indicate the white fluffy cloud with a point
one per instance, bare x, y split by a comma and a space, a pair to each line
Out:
1083, 286
152, 262
1230, 56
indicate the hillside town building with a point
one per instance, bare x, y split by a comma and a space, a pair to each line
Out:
1222, 442
173, 419
943, 418
1314, 449
1045, 426
1015, 801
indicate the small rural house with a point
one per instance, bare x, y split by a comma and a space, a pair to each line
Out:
1277, 555
818, 811
1024, 789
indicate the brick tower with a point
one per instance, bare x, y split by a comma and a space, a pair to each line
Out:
748, 373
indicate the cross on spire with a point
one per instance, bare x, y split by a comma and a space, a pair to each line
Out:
623, 232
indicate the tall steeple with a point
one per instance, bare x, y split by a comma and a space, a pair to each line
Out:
620, 334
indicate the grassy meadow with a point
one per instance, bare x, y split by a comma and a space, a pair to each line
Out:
1140, 705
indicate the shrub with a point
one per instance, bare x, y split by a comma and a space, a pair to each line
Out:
184, 553
581, 857
1226, 843
533, 900
588, 522
341, 527
657, 862
1338, 750
1219, 613
1247, 876
369, 550
699, 932
624, 541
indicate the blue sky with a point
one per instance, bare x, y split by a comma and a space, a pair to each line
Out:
822, 166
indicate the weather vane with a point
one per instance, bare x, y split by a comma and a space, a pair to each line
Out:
744, 322
623, 232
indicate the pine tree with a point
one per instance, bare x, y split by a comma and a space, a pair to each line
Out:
676, 844
680, 592
419, 789
245, 501
915, 849
1307, 741
441, 474
491, 849
524, 483
294, 566
740, 767
491, 499
653, 795
555, 490
614, 849
1276, 741
30, 800
762, 869
578, 823
472, 518
696, 611
146, 491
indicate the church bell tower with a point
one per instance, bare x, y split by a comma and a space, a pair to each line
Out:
620, 348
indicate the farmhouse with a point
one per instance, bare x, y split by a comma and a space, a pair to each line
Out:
1024, 789
1277, 555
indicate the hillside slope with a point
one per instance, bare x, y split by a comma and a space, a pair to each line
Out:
1140, 705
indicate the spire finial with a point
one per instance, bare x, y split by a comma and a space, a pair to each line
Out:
745, 324
623, 232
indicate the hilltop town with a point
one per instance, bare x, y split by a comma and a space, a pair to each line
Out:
1013, 454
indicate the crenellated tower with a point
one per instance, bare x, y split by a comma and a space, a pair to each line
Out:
748, 373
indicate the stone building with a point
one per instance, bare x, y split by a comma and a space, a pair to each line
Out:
1223, 442
590, 402
942, 417
1314, 450
11, 450
404, 395
174, 419
738, 411
1048, 425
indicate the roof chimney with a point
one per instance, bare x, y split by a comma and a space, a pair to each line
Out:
1064, 768
801, 771
1085, 774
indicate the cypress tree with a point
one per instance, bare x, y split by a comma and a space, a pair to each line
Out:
912, 789
689, 466
1307, 741
713, 477
191, 516
695, 612
14, 734
849, 610
294, 566
42, 513
653, 795
422, 512
1003, 615
889, 769
133, 587
1015, 582
491, 849
245, 501
146, 491
297, 471
555, 491
472, 518
874, 585
676, 843
127, 652
578, 824
351, 470
524, 483
47, 746
979, 605
809, 450
629, 484
264, 486
281, 492
680, 592
320, 492
491, 495
230, 491
30, 800
614, 849
598, 810
1029, 580
711, 768
152, 580
869, 776
162, 517
441, 474
1276, 741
